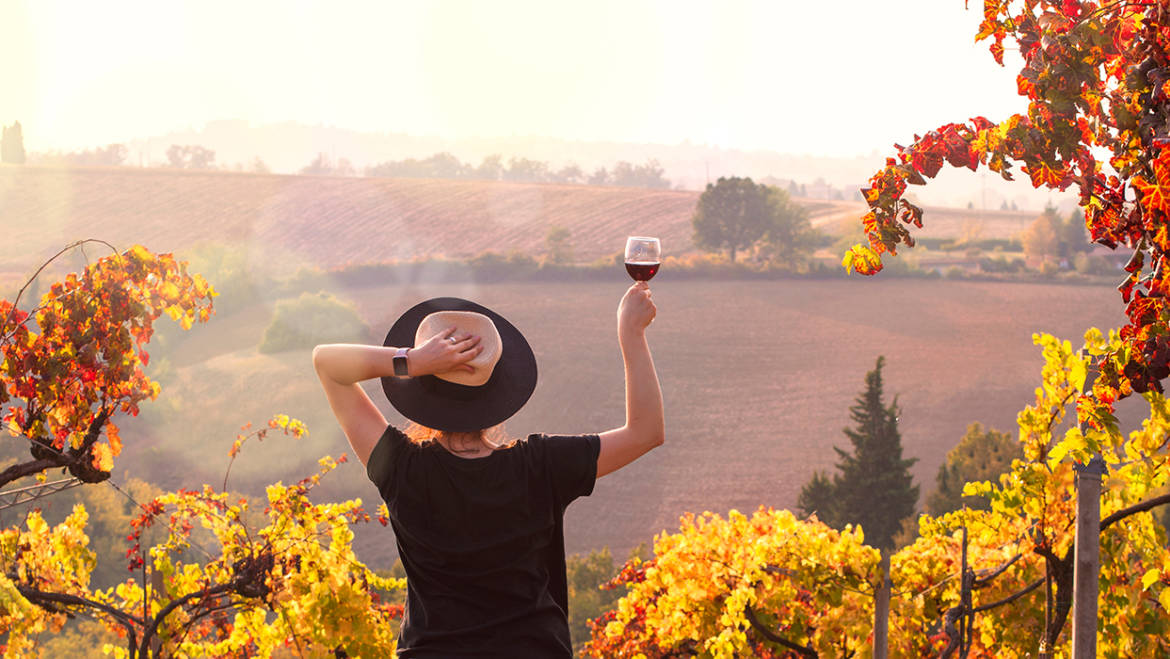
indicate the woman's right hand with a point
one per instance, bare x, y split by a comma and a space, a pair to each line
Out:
441, 354
636, 310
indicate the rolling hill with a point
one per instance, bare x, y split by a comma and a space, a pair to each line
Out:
289, 222
293, 221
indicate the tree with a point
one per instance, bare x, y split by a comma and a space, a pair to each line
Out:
648, 175
439, 165
12, 144
981, 455
560, 246
320, 166
1042, 240
730, 214
818, 497
734, 213
789, 238
311, 319
491, 168
1094, 77
525, 170
1073, 235
1049, 238
443, 165
323, 165
111, 155
587, 576
73, 363
570, 173
872, 487
190, 156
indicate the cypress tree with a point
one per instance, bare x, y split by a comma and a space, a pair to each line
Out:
872, 487
979, 456
818, 497
12, 145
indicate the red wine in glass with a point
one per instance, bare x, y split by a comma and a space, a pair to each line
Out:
642, 271
643, 257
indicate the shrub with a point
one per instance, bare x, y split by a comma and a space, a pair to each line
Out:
1001, 264
1094, 264
228, 270
311, 319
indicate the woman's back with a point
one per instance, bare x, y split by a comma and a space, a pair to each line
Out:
482, 541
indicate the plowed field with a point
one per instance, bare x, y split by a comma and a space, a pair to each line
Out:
323, 221
289, 222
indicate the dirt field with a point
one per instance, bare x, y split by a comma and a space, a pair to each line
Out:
757, 377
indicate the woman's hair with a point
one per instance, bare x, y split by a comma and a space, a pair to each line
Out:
494, 437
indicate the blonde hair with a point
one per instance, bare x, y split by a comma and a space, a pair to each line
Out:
494, 437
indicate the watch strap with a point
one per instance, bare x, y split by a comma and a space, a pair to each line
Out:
400, 364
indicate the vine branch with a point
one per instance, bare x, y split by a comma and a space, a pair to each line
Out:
802, 650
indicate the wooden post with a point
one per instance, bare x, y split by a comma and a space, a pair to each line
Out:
156, 582
1087, 547
966, 582
1087, 559
881, 612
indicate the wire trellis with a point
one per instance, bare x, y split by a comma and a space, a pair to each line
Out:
29, 493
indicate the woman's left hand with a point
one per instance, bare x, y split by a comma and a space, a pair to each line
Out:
443, 353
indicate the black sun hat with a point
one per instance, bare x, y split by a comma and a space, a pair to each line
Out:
439, 403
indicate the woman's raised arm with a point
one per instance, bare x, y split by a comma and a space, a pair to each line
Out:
341, 366
645, 426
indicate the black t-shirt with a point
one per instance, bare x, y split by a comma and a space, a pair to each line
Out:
482, 542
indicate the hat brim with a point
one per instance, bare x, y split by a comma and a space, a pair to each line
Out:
435, 403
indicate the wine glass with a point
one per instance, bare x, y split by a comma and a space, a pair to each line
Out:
643, 257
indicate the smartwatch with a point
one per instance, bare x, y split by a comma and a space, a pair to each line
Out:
400, 365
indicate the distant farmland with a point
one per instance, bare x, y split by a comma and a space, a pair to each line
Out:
324, 221
288, 222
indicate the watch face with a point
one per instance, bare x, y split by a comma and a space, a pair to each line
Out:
400, 365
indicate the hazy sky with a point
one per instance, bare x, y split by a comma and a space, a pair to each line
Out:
835, 78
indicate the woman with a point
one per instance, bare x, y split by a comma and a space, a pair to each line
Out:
478, 519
